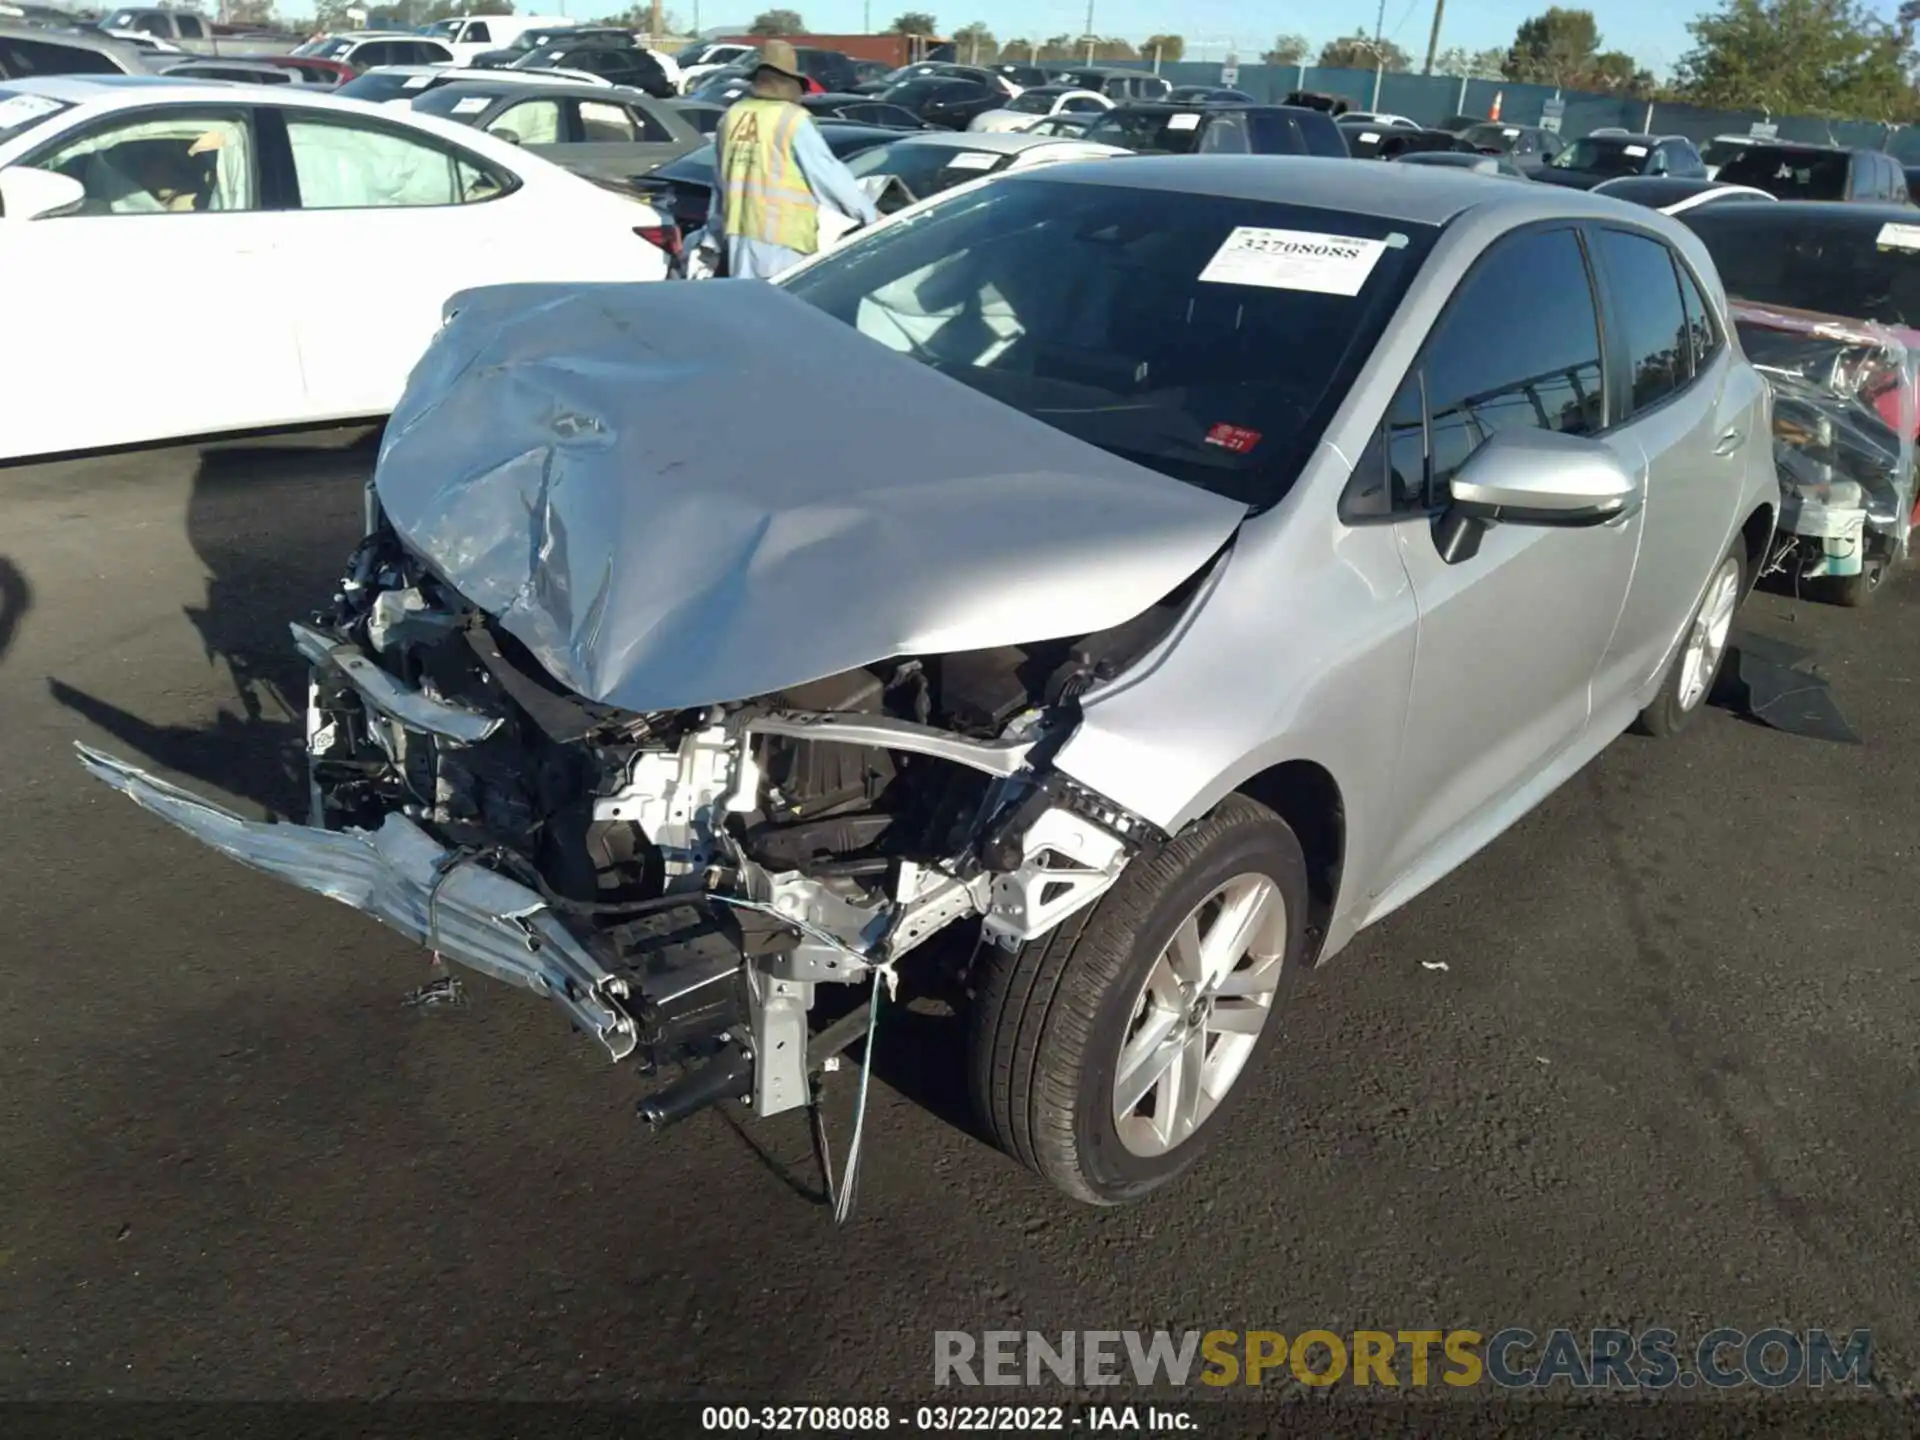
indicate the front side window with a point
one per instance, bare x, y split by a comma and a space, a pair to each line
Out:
1789, 174
189, 27
531, 122
1032, 103
1653, 323
150, 166
1703, 337
342, 166
1518, 347
477, 33
1211, 342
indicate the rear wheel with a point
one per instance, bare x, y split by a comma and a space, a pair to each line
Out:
1697, 665
1107, 1056
1853, 591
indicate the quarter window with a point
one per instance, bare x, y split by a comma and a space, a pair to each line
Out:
350, 167
1654, 335
1702, 338
533, 122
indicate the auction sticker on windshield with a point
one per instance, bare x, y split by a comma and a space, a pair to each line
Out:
1892, 236
1183, 122
417, 82
472, 105
1294, 260
973, 160
18, 109
1634, 150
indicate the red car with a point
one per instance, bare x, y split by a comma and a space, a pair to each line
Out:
310, 70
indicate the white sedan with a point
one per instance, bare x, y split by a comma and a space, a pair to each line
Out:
1038, 103
403, 84
314, 241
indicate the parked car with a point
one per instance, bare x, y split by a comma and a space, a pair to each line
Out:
1676, 196
1116, 85
1073, 126
723, 87
1161, 129
236, 72
701, 115
1593, 158
1335, 105
1164, 418
309, 71
1478, 163
1209, 95
702, 58
948, 102
862, 110
1722, 148
547, 37
683, 188
931, 163
1850, 262
29, 50
470, 36
283, 184
1818, 172
1369, 141
1037, 104
1382, 118
1022, 77
180, 30
618, 65
606, 132
362, 52
1528, 146
1460, 124
947, 70
403, 84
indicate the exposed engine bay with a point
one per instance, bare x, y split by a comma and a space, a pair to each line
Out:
719, 864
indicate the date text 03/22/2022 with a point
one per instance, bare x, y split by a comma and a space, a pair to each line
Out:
945, 1419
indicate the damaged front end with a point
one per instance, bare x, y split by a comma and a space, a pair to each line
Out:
681, 882
1844, 421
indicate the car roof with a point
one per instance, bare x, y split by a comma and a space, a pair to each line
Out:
1817, 145
79, 89
520, 90
1417, 195
1862, 216
1006, 142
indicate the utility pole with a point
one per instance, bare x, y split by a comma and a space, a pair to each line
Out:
653, 26
1089, 31
866, 18
1379, 23
1433, 35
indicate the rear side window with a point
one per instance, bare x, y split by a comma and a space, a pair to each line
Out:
1703, 338
1653, 324
21, 58
1517, 347
1789, 174
343, 166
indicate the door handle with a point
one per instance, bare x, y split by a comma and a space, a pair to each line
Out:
1730, 442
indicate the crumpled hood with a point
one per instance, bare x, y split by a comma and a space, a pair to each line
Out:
678, 494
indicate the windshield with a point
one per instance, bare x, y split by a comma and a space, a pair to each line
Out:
1151, 132
1492, 137
1603, 157
327, 48
927, 169
20, 113
1836, 265
915, 93
1166, 335
1034, 102
1789, 174
376, 86
1718, 152
443, 28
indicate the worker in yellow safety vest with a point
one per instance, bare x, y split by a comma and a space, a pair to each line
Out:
773, 175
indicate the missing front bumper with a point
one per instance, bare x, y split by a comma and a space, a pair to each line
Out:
403, 878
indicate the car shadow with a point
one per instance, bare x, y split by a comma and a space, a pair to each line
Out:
273, 525
16, 598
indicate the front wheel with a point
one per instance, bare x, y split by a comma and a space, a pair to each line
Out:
1694, 669
1107, 1055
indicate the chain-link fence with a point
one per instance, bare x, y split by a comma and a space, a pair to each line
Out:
1429, 99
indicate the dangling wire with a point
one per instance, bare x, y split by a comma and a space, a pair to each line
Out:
849, 1177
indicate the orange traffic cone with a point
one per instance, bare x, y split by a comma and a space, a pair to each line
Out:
1494, 113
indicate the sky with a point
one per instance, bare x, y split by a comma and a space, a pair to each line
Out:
1652, 31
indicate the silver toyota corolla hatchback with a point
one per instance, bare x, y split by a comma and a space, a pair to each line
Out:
1088, 597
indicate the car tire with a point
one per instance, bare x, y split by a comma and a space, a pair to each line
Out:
1049, 1023
1696, 665
1851, 592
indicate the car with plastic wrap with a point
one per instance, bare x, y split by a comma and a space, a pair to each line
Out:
1156, 128
1827, 302
1276, 534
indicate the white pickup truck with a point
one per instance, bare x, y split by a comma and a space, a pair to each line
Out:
183, 32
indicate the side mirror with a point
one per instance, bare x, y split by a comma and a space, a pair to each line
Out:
1535, 477
29, 194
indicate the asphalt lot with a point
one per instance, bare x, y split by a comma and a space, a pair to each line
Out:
1667, 1074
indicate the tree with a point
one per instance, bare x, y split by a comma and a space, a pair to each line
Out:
1562, 47
1061, 47
914, 22
1358, 52
1171, 47
975, 42
1819, 57
777, 22
1109, 49
1287, 50
250, 12
1473, 64
1014, 49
